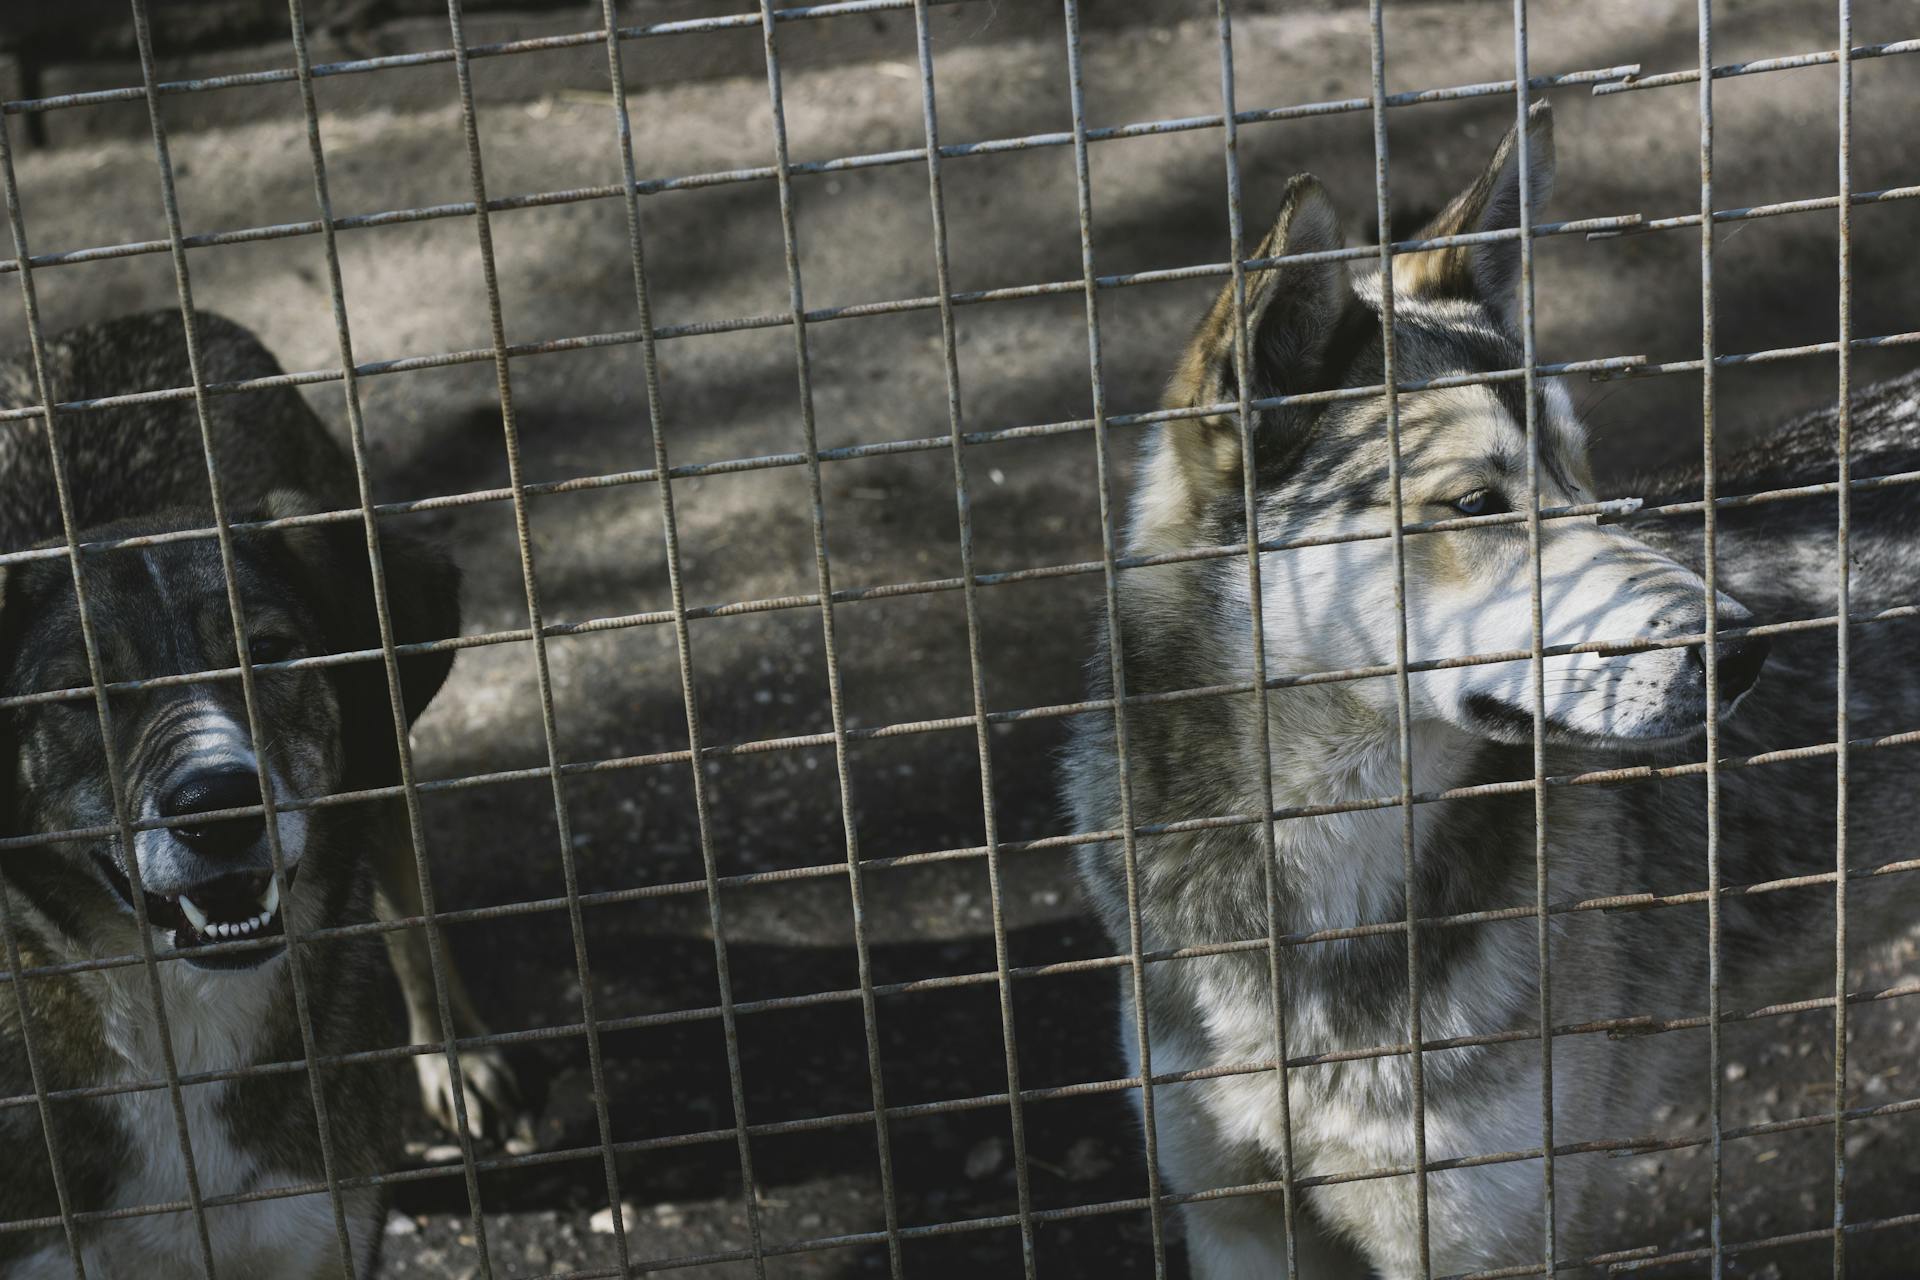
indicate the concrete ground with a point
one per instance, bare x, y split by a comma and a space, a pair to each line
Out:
715, 252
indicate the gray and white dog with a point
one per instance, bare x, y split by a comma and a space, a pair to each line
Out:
1322, 469
160, 609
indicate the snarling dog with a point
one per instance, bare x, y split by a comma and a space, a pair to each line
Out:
1321, 478
216, 916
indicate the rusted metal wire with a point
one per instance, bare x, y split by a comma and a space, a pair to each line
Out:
257, 732
1402, 687
1608, 367
1639, 1145
829, 643
969, 587
683, 653
881, 159
1710, 651
1623, 1027
431, 57
1639, 644
1142, 1043
1842, 632
1263, 735
357, 447
29, 1037
1524, 161
1857, 53
116, 776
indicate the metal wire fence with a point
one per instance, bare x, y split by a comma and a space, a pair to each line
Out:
858, 867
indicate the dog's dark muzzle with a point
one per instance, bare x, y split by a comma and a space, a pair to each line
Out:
227, 894
210, 792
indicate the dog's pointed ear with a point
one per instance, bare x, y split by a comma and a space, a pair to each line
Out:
1294, 312
423, 599
1487, 273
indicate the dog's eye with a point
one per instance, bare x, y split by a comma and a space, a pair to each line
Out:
1481, 502
270, 648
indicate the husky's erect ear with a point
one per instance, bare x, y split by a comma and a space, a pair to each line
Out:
1293, 313
423, 598
1488, 273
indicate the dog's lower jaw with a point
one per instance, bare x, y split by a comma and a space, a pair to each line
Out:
203, 942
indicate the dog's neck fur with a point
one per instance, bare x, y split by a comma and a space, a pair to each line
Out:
1330, 745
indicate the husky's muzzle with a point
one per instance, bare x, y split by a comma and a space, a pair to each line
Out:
222, 889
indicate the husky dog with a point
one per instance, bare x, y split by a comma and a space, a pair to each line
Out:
184, 749
1322, 469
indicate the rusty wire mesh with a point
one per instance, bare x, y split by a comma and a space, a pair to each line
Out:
858, 867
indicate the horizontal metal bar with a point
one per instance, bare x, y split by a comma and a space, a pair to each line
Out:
1617, 224
655, 186
1616, 902
1629, 1025
1791, 62
1636, 1145
1613, 508
1637, 644
842, 164
431, 57
1592, 368
1774, 210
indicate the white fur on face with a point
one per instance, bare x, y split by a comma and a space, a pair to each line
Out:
1470, 592
1597, 584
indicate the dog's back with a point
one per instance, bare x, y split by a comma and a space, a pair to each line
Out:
145, 456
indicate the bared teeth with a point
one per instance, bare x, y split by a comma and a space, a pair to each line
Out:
226, 930
200, 925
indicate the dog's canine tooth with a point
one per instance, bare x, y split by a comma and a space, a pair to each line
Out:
271, 903
195, 915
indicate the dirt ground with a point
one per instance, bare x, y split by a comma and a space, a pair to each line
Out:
714, 251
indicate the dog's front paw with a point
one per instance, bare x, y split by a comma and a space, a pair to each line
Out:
496, 1112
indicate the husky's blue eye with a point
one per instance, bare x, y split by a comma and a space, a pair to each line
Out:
1481, 502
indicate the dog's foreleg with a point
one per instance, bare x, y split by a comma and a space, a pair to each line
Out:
490, 1092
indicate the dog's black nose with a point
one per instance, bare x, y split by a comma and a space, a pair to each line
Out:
209, 792
1740, 663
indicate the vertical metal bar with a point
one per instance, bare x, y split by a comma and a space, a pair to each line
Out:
1543, 936
8, 925
823, 576
1390, 372
115, 776
96, 672
356, 433
1116, 648
1250, 510
963, 503
683, 640
1710, 649
523, 536
257, 734
1843, 642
